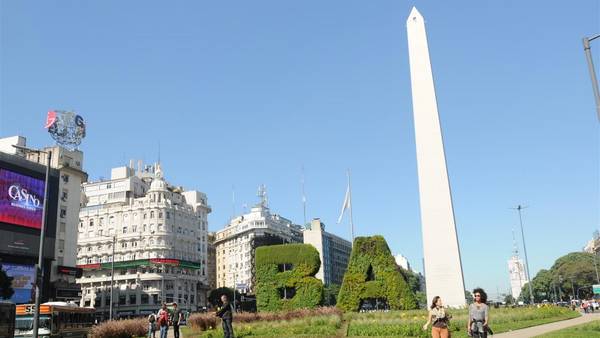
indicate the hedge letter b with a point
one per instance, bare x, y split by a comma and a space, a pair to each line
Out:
372, 276
285, 277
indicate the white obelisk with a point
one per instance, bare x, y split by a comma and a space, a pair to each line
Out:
443, 270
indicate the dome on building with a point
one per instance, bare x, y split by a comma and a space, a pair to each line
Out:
158, 183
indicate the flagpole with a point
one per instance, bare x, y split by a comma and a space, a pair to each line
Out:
351, 218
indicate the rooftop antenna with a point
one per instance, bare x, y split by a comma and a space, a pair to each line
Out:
303, 197
515, 247
159, 152
232, 201
262, 193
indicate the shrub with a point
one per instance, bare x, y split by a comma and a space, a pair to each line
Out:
305, 262
121, 329
371, 257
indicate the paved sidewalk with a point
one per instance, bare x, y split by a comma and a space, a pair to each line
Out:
541, 329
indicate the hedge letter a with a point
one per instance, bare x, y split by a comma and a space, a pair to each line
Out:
285, 277
372, 276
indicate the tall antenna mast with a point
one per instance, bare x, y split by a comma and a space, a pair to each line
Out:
519, 208
303, 197
232, 201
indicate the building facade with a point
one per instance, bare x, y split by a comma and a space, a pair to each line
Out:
334, 252
517, 275
64, 197
211, 261
157, 234
593, 245
236, 243
402, 262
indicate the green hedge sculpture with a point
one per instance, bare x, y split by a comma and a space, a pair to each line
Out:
271, 280
372, 274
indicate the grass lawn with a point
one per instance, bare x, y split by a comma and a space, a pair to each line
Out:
385, 324
586, 330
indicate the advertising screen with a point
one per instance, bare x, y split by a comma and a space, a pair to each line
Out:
23, 280
21, 199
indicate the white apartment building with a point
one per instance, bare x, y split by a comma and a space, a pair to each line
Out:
334, 252
402, 262
235, 245
516, 271
160, 232
69, 163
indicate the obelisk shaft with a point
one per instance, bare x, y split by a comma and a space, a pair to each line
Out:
443, 270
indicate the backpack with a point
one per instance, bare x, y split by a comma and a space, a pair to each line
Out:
163, 319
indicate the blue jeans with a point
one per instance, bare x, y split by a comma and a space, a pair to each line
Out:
163, 331
151, 330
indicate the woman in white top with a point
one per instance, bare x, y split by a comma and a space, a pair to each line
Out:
440, 319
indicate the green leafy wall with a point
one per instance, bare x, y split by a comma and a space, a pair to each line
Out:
388, 283
306, 263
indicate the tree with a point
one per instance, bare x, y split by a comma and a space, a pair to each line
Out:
569, 273
469, 297
509, 299
421, 299
6, 290
330, 293
214, 296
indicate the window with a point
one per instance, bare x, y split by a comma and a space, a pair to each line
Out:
63, 226
100, 232
134, 228
61, 244
63, 212
101, 221
145, 215
144, 228
65, 195
133, 299
124, 230
151, 214
145, 297
160, 215
123, 244
111, 220
65, 178
168, 215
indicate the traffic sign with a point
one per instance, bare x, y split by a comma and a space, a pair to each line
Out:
596, 288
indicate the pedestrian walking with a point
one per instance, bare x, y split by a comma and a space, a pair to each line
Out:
477, 326
176, 319
440, 319
163, 321
226, 315
152, 326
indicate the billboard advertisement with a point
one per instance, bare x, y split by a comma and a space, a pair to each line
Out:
22, 283
21, 199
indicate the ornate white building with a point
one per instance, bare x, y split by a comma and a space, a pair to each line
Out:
160, 237
236, 243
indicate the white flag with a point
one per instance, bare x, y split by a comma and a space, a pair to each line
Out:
347, 204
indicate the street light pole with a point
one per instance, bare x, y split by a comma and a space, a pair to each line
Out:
588, 54
519, 208
39, 270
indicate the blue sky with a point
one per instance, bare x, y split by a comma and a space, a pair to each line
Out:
245, 93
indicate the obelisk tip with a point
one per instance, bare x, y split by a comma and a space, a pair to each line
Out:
414, 15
